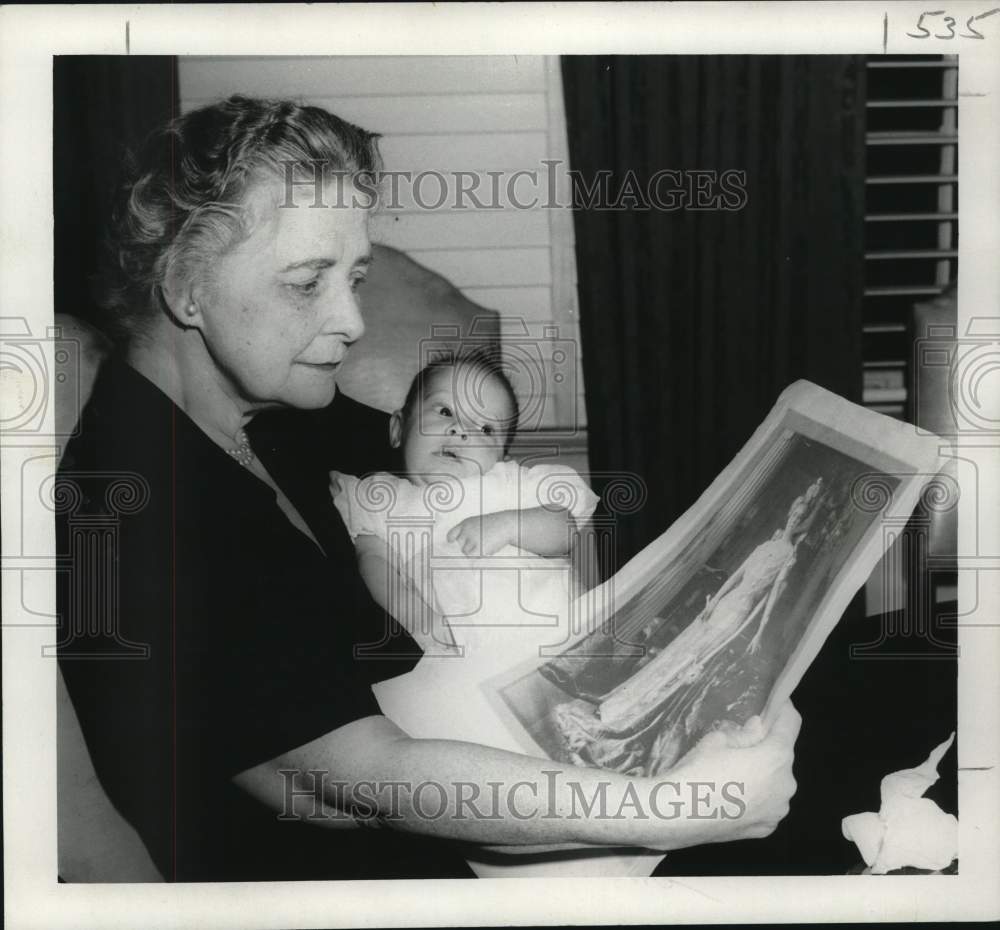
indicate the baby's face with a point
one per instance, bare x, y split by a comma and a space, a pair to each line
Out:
457, 428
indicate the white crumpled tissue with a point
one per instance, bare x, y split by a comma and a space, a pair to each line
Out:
909, 830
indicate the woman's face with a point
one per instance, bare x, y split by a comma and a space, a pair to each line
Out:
279, 311
798, 512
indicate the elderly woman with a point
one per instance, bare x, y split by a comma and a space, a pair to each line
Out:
247, 744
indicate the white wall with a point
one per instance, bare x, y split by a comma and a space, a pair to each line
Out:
476, 114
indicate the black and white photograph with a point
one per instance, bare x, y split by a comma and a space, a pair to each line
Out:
453, 453
705, 640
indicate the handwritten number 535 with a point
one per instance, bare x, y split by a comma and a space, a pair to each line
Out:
949, 24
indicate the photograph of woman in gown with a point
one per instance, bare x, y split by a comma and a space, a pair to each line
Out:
662, 699
701, 645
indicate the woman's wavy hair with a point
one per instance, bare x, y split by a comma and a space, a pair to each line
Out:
181, 201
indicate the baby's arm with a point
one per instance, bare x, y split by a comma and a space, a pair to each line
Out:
394, 591
544, 531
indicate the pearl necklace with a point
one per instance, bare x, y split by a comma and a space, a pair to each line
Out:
242, 453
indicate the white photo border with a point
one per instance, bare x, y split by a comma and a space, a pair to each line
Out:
30, 36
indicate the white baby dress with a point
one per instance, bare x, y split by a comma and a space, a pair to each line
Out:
498, 606
502, 611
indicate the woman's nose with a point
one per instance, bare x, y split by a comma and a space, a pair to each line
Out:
344, 314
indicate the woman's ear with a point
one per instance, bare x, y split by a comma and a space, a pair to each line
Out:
396, 429
182, 298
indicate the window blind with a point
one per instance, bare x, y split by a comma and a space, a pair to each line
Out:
911, 212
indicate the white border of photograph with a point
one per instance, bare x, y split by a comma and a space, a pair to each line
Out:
29, 36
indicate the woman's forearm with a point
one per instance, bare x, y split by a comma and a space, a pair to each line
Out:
371, 771
533, 802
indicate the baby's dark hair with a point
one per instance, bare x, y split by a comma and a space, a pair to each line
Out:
487, 364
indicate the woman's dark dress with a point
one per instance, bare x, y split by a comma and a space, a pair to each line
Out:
248, 629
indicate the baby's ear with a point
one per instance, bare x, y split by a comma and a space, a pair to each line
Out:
396, 429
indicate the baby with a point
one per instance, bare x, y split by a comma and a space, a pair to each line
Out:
460, 497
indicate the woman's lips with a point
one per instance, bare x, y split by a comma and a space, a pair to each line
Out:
322, 366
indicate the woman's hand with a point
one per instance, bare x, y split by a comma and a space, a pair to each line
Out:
756, 764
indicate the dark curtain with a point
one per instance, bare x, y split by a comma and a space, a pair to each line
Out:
102, 105
693, 321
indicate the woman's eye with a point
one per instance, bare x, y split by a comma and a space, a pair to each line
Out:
357, 281
445, 411
307, 287
487, 430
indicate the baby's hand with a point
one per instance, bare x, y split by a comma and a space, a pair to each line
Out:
485, 535
335, 486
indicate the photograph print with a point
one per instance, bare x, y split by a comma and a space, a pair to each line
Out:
699, 637
708, 254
